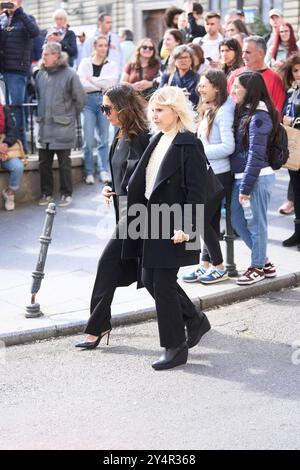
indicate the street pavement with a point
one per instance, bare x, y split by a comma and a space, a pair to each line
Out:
239, 390
79, 235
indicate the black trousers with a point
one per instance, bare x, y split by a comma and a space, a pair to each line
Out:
111, 268
295, 183
65, 171
174, 308
212, 215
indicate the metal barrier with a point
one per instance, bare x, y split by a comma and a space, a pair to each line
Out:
30, 110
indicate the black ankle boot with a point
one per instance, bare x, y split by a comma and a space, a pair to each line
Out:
294, 240
172, 357
196, 328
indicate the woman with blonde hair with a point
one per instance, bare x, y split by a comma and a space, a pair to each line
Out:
171, 177
141, 72
61, 33
96, 73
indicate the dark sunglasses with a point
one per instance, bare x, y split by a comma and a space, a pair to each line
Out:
151, 48
106, 110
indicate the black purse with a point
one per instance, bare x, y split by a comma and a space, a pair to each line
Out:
215, 189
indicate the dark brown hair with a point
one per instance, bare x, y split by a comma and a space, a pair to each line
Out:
170, 14
217, 78
286, 70
131, 106
233, 45
256, 91
198, 52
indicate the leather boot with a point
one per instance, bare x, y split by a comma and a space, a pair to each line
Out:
196, 329
294, 240
172, 357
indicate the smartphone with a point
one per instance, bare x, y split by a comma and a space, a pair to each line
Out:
7, 5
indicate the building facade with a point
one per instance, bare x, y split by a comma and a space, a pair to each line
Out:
145, 17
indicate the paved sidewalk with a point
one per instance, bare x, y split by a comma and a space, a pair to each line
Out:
79, 235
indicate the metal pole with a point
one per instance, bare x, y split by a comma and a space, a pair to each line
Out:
33, 310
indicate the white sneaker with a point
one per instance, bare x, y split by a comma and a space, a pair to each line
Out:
9, 200
65, 201
89, 179
45, 200
104, 177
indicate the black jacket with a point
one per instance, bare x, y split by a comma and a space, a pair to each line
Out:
181, 180
16, 42
122, 172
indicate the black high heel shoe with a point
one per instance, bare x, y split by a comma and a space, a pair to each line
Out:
94, 344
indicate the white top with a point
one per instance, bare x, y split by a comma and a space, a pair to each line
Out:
220, 144
210, 46
108, 76
115, 53
156, 159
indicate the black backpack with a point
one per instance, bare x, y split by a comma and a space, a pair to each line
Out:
278, 150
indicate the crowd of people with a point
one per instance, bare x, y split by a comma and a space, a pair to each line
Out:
234, 84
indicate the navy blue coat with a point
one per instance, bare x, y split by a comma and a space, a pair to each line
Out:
16, 42
251, 159
188, 81
69, 45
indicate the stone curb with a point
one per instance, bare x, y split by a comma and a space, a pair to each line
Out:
207, 302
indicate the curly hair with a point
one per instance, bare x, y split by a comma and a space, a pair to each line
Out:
131, 107
286, 70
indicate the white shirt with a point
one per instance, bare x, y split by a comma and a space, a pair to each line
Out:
210, 46
156, 159
107, 78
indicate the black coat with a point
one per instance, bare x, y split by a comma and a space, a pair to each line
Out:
135, 149
69, 45
181, 180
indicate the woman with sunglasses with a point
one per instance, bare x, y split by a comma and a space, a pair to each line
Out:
141, 72
166, 192
124, 108
96, 74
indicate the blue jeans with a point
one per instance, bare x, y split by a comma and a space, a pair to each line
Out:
253, 232
15, 168
94, 119
15, 95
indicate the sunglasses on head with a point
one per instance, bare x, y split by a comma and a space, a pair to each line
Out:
151, 48
106, 109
